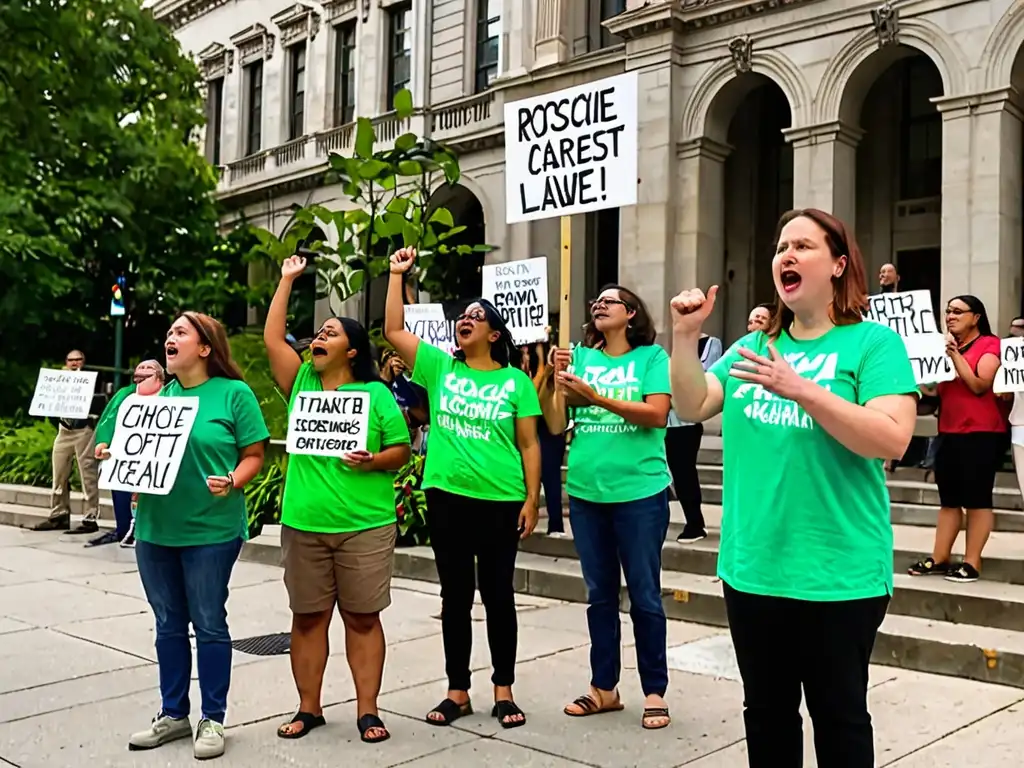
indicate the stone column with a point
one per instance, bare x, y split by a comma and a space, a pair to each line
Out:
517, 32
552, 33
825, 168
982, 182
422, 32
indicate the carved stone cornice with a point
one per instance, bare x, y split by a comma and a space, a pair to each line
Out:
177, 13
216, 61
297, 23
837, 130
700, 14
338, 11
253, 43
1008, 100
646, 20
703, 147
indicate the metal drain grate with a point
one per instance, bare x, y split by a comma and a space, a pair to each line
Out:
264, 645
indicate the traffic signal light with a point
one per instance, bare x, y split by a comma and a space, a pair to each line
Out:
117, 300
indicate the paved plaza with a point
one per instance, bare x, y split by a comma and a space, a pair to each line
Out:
78, 674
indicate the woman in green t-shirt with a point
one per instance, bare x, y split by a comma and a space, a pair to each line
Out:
337, 517
482, 480
187, 541
810, 409
617, 385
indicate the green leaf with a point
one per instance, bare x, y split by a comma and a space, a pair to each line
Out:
356, 280
406, 142
452, 232
483, 248
371, 169
403, 103
399, 205
365, 138
442, 216
410, 234
410, 168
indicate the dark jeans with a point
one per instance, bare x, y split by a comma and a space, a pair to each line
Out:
782, 644
190, 584
475, 544
122, 512
681, 447
628, 535
552, 454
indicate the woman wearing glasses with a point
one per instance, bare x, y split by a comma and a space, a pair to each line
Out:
617, 386
482, 480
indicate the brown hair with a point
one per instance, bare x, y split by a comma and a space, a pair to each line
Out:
640, 331
212, 334
849, 290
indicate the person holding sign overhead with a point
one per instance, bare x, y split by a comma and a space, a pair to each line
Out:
482, 480
187, 541
338, 514
806, 536
617, 385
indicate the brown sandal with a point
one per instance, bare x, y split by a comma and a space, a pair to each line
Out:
652, 713
590, 706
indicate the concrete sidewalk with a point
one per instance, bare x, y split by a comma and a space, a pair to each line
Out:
77, 675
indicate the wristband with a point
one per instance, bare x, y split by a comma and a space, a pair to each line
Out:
231, 477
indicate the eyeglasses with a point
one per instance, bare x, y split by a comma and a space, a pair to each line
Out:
606, 302
957, 312
477, 315
74, 360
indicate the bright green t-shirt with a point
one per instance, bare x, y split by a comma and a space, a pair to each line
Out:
472, 446
108, 419
612, 460
802, 516
228, 420
322, 494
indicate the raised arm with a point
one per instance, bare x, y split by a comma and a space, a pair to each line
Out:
284, 361
404, 342
696, 395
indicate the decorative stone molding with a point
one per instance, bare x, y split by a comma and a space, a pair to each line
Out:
837, 130
741, 50
649, 19
702, 146
701, 14
886, 21
338, 11
216, 61
253, 43
177, 13
998, 100
297, 23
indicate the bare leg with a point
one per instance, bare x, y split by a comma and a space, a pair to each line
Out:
946, 530
310, 647
980, 523
365, 648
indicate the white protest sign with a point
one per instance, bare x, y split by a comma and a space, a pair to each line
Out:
1010, 376
910, 314
328, 423
149, 441
572, 151
519, 291
928, 358
427, 322
63, 394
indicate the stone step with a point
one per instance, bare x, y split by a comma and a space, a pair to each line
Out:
711, 474
39, 498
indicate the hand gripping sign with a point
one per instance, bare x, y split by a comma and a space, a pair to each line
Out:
329, 423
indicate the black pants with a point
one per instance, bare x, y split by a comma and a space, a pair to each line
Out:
681, 447
781, 644
552, 454
475, 543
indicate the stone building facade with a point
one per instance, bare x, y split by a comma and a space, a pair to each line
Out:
904, 118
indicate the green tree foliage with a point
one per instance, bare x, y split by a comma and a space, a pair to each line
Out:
98, 177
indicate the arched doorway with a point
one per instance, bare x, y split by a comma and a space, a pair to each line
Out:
453, 276
899, 165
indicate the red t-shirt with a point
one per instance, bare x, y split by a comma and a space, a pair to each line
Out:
960, 410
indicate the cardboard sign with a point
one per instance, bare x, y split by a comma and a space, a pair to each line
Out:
1010, 376
572, 151
149, 441
927, 353
427, 321
328, 423
519, 291
910, 314
63, 394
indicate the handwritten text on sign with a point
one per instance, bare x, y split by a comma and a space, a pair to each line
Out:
910, 314
519, 291
63, 394
149, 441
572, 151
329, 423
1010, 376
427, 322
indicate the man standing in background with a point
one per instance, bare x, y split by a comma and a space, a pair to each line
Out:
888, 279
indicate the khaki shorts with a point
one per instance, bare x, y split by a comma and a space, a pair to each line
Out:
350, 569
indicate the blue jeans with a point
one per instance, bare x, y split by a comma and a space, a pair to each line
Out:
629, 534
190, 584
122, 512
552, 453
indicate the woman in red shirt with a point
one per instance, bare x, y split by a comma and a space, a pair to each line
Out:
972, 442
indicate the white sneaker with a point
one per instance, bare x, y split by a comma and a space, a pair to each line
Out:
162, 730
209, 740
128, 542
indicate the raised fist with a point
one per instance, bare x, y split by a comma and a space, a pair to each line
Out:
691, 308
402, 260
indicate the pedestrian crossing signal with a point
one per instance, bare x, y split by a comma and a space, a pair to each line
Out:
117, 300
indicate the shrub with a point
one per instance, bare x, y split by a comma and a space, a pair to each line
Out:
25, 451
251, 356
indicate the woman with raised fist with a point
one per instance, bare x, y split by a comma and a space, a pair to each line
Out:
810, 409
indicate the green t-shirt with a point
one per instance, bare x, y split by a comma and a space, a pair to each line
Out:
108, 419
228, 420
612, 460
324, 495
804, 517
472, 446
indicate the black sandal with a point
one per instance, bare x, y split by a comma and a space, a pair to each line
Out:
652, 712
505, 709
450, 711
309, 722
365, 723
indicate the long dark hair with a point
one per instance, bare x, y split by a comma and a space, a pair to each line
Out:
504, 350
211, 333
363, 367
977, 307
639, 333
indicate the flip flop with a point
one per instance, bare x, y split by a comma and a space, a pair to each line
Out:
651, 713
450, 711
504, 709
309, 722
365, 723
589, 705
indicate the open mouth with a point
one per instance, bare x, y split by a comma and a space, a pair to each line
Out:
600, 315
790, 280
171, 352
318, 351
465, 330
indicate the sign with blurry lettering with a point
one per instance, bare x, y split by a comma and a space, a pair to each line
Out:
1010, 376
149, 441
519, 291
63, 394
427, 321
910, 314
572, 151
328, 423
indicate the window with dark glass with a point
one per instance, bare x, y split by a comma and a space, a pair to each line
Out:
921, 155
345, 73
609, 8
297, 69
214, 118
399, 50
488, 33
254, 107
